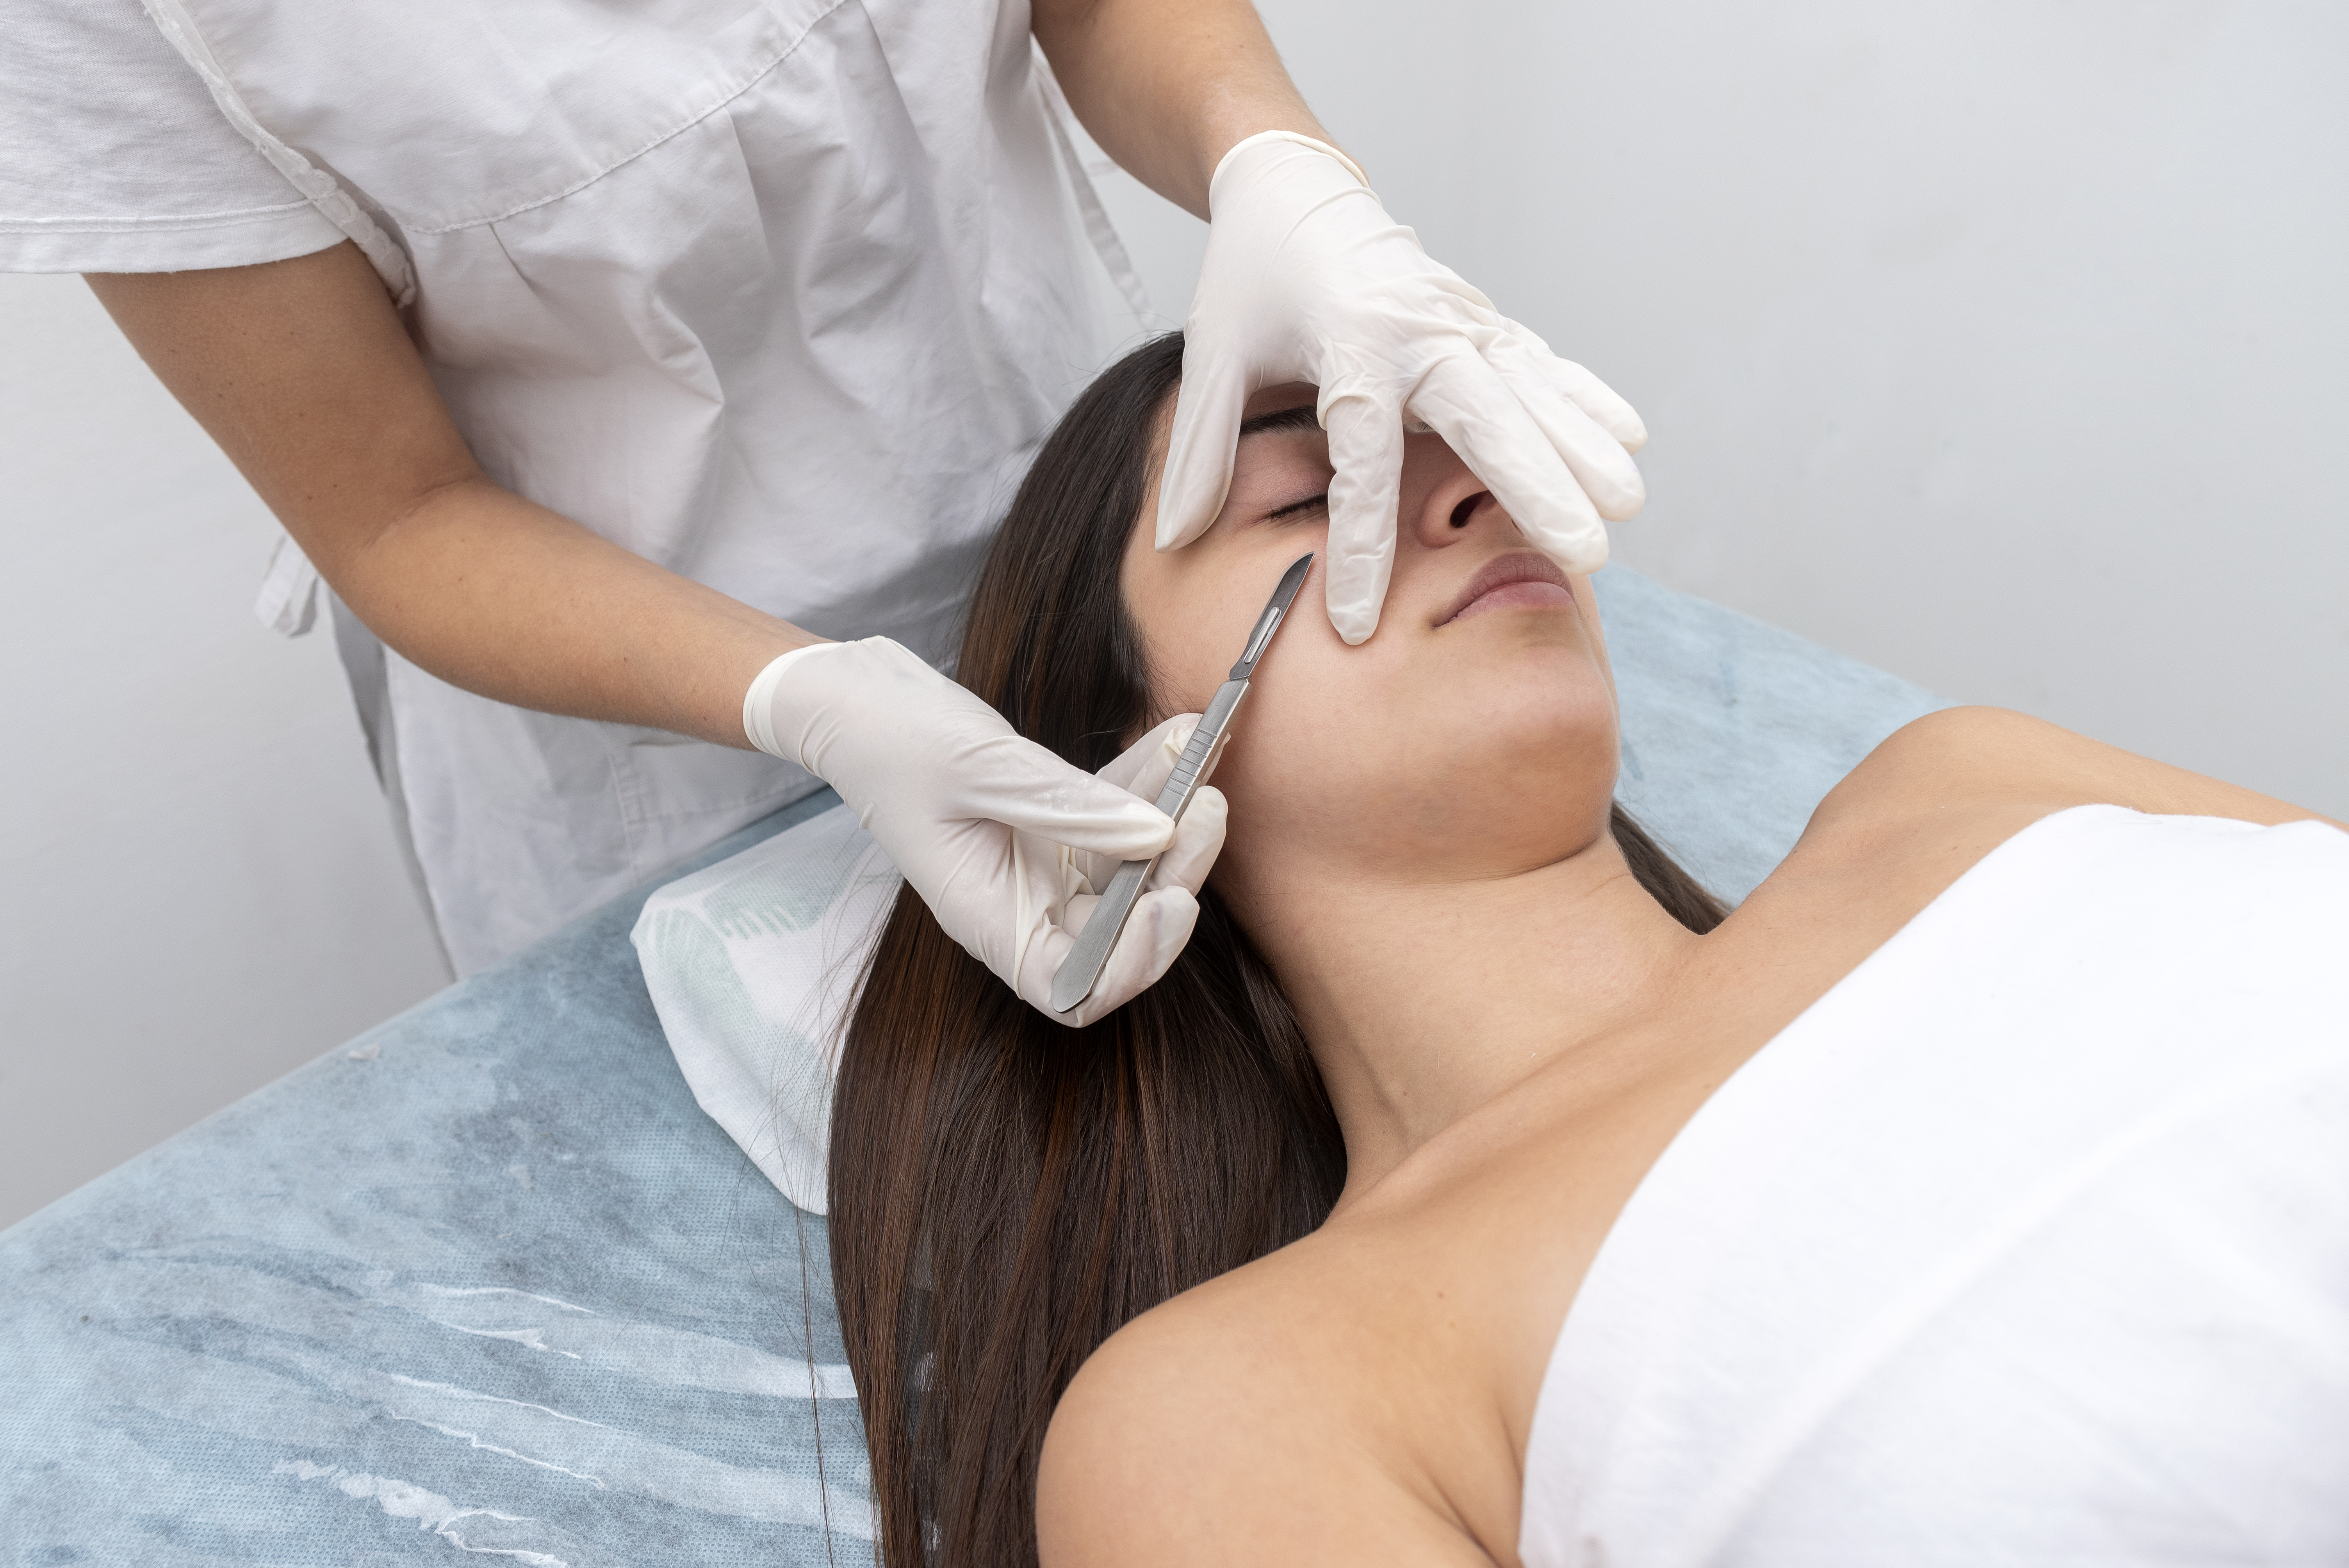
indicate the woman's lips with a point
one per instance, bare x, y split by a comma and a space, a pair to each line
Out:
1521, 579
1533, 595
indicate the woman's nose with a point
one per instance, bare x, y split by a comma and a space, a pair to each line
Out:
1443, 501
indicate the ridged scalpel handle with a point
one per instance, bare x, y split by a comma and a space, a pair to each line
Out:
1199, 753
1081, 969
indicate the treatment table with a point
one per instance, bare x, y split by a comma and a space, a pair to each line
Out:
486, 1281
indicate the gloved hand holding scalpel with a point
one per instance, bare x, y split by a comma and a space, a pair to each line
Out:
1305, 279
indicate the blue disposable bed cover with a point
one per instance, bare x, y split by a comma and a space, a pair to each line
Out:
487, 1281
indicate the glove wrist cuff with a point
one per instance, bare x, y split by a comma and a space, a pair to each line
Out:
759, 706
1300, 137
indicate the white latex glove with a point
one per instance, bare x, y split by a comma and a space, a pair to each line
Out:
1306, 279
1005, 841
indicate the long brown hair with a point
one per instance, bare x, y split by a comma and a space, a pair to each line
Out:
1007, 1192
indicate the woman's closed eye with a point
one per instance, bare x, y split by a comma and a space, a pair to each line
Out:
1297, 509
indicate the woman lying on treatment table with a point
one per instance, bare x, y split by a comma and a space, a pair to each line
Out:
1472, 1190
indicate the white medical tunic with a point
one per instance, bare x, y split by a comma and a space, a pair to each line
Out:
777, 293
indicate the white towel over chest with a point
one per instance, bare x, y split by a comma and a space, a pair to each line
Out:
2027, 1243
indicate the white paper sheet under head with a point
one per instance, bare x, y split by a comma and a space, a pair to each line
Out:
754, 966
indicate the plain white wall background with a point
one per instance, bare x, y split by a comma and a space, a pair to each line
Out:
199, 890
1999, 345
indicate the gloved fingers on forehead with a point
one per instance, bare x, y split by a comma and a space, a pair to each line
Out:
1605, 405
1366, 451
1200, 447
1024, 786
1598, 460
1465, 401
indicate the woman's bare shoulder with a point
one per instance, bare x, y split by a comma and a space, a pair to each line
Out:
1217, 1430
1919, 812
1943, 791
1971, 757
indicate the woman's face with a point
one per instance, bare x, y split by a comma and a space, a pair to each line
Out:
1474, 735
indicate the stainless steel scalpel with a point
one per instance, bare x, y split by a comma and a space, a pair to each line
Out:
1081, 968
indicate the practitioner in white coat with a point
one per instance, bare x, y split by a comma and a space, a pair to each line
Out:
611, 361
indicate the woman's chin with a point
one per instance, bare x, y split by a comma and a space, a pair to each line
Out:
1546, 708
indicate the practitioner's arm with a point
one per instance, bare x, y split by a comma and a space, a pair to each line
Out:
1168, 89
302, 373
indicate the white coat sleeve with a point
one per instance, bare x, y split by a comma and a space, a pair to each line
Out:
113, 158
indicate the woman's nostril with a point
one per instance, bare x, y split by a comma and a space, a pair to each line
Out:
1467, 509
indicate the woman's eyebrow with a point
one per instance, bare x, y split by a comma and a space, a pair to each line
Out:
1300, 418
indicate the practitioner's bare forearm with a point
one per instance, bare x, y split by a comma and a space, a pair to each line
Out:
502, 597
302, 373
1167, 87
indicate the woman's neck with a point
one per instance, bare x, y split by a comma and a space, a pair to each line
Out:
1426, 1000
